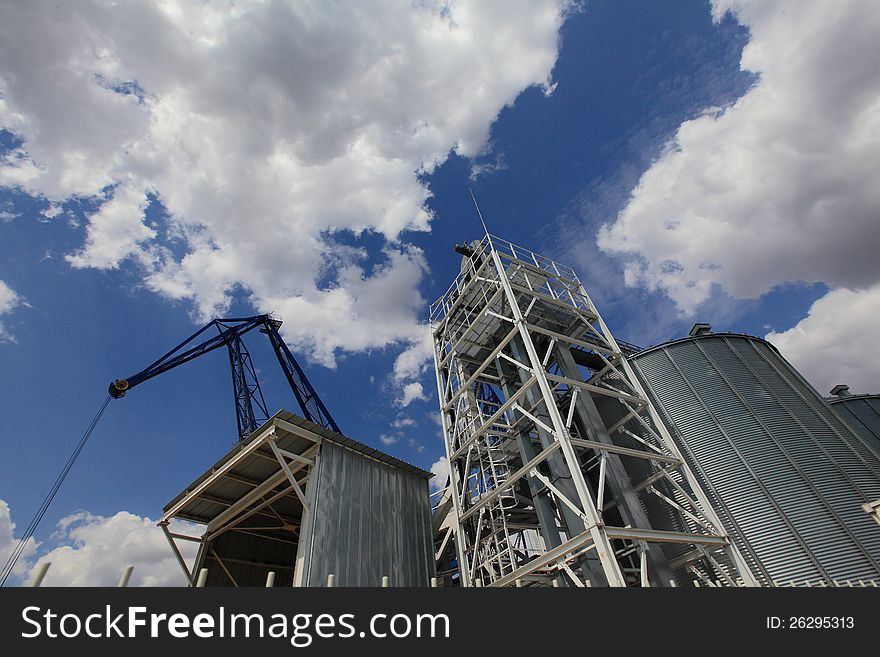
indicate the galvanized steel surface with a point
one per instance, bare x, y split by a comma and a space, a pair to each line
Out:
785, 474
862, 414
370, 512
371, 520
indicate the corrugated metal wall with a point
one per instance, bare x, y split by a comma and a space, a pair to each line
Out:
370, 520
862, 414
785, 474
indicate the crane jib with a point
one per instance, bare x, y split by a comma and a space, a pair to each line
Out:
250, 406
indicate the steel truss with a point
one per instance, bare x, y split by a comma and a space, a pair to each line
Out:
250, 406
258, 512
561, 472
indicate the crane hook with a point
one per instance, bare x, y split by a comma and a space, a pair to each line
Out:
117, 388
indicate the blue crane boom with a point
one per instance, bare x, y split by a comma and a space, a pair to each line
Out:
250, 406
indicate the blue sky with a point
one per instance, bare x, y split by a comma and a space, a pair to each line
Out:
318, 165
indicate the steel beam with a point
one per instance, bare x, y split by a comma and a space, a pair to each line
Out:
522, 499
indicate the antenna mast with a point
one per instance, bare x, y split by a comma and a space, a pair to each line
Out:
479, 214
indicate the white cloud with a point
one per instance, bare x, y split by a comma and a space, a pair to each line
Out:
267, 130
365, 310
52, 211
9, 542
115, 231
388, 439
412, 392
837, 341
479, 169
784, 184
440, 469
9, 300
402, 422
413, 361
95, 550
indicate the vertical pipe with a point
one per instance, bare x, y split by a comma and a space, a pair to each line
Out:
41, 574
126, 575
203, 577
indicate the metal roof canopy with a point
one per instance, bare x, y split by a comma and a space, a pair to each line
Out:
259, 488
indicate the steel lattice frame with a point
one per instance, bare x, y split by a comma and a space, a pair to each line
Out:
558, 477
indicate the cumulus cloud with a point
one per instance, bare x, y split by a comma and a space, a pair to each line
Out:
95, 550
9, 542
403, 422
440, 469
413, 361
115, 231
837, 341
389, 439
782, 185
270, 134
9, 300
412, 392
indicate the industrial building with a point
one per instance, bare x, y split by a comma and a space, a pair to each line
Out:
576, 459
861, 412
303, 502
788, 478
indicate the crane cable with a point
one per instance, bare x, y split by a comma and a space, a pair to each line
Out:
22, 543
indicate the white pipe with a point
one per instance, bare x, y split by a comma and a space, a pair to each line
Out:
41, 573
126, 575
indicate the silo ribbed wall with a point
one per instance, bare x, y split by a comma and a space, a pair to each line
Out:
862, 414
785, 474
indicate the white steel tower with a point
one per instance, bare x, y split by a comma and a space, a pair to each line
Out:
561, 472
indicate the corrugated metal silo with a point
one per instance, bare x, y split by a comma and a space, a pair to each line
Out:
787, 477
860, 412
